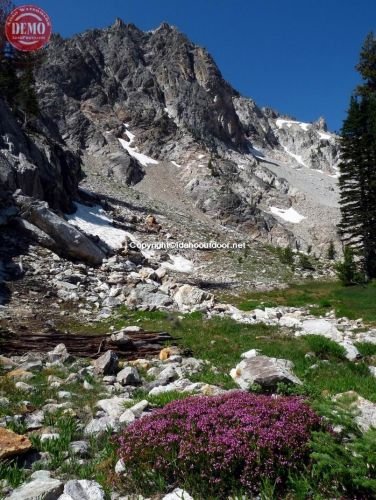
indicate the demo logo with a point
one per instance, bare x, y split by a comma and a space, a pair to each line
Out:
28, 28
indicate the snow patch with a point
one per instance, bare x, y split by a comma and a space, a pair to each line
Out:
289, 215
280, 123
92, 220
143, 159
179, 264
95, 222
176, 164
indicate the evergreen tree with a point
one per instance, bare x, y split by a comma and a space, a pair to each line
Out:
357, 181
331, 254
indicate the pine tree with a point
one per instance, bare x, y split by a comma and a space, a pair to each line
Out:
357, 181
331, 253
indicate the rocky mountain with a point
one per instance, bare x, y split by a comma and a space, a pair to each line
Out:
147, 124
135, 105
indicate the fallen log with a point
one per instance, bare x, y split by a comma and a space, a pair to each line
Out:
141, 344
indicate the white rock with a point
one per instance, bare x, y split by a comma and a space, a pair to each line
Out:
352, 352
178, 494
41, 474
188, 296
139, 408
250, 354
129, 376
264, 371
22, 386
322, 327
45, 487
127, 417
34, 420
120, 467
101, 425
83, 490
114, 407
64, 395
58, 355
290, 322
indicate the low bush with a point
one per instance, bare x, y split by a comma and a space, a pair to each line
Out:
214, 446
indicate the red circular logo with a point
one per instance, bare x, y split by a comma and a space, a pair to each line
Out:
28, 28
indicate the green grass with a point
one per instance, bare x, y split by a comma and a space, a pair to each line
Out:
221, 341
366, 348
12, 473
353, 302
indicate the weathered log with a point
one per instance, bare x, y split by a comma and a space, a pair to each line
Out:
84, 345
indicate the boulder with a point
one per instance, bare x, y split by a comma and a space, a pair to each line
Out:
58, 355
107, 364
189, 296
114, 407
148, 295
12, 444
264, 371
82, 490
69, 240
129, 376
43, 487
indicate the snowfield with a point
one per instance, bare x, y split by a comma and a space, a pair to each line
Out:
289, 215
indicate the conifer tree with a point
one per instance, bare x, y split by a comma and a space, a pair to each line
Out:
357, 181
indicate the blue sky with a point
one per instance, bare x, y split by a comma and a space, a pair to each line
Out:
297, 56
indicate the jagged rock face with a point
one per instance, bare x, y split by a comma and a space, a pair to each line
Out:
39, 166
96, 80
308, 145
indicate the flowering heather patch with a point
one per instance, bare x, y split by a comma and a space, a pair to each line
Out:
216, 445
